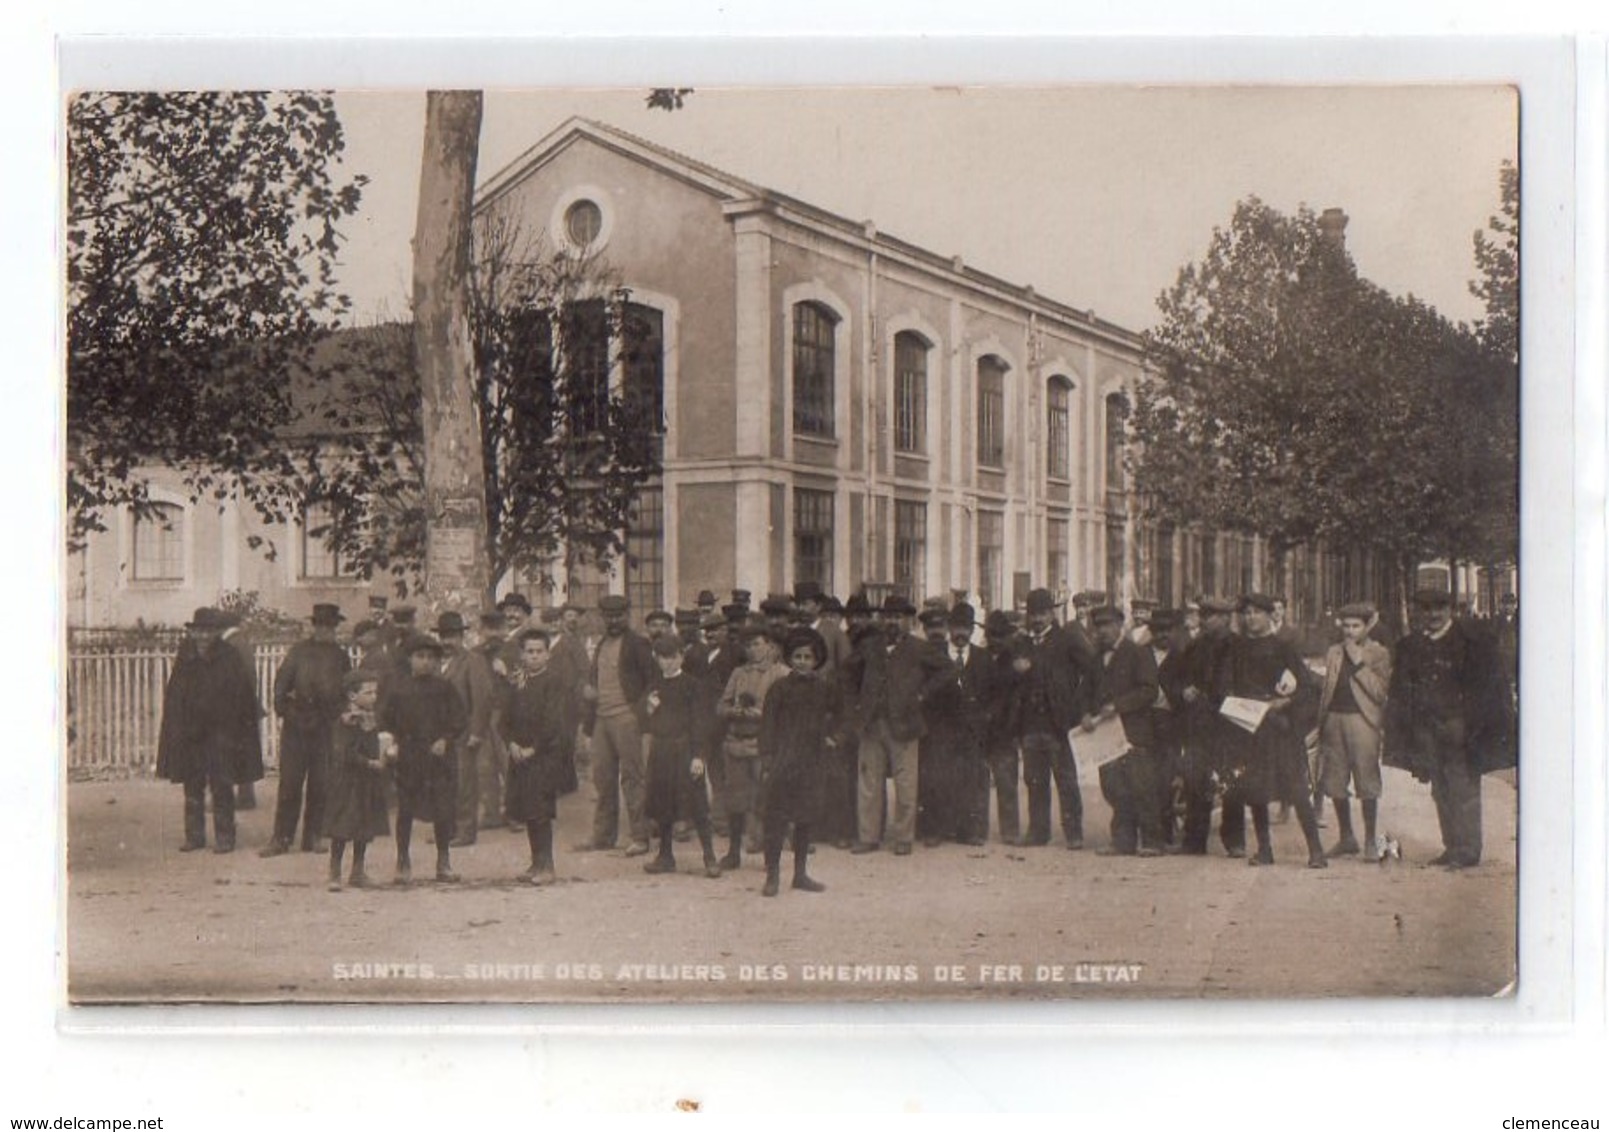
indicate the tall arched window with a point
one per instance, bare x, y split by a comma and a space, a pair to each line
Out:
991, 412
1058, 429
910, 392
813, 332
158, 550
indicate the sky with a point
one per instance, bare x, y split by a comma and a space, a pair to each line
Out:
1096, 196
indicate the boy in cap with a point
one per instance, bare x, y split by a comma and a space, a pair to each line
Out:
308, 697
741, 706
425, 714
1351, 714
536, 731
676, 758
1449, 719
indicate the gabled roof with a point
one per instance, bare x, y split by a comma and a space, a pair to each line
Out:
740, 193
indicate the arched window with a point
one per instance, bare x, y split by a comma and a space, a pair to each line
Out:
158, 550
910, 392
991, 412
813, 331
1058, 429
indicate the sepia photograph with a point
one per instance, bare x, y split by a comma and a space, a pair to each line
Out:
717, 544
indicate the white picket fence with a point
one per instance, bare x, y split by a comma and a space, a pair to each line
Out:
114, 706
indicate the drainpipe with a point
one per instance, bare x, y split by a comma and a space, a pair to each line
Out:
869, 378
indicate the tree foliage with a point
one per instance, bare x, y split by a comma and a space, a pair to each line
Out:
566, 391
201, 240
1286, 396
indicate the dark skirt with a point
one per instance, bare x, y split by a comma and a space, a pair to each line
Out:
794, 791
427, 786
1270, 766
673, 793
534, 785
355, 809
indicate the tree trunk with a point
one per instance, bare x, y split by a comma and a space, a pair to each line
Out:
456, 575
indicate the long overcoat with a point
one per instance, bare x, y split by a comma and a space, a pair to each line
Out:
209, 718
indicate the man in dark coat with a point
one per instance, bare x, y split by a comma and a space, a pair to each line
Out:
938, 812
308, 697
622, 669
1449, 719
892, 674
1059, 674
239, 638
476, 750
995, 696
1128, 690
1168, 640
981, 688
209, 732
1193, 687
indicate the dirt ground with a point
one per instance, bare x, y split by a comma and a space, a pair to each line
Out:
146, 922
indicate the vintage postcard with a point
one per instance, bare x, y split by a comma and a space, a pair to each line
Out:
792, 545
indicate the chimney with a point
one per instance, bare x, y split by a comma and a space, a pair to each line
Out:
1332, 224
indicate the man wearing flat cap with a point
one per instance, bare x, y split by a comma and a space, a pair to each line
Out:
621, 671
1449, 719
308, 697
1351, 715
1059, 675
210, 737
1197, 685
1128, 690
892, 674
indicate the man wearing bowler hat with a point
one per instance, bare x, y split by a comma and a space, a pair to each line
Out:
1449, 719
622, 669
892, 678
1059, 674
309, 697
209, 736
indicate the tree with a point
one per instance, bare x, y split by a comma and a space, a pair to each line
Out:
201, 238
455, 486
1248, 345
1288, 397
565, 448
1497, 258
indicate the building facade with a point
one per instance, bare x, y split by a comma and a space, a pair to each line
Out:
837, 406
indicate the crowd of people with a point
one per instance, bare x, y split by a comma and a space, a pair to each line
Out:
806, 721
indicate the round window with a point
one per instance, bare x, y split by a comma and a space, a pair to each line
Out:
583, 220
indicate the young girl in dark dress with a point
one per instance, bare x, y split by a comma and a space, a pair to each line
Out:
800, 726
534, 728
678, 744
425, 713
356, 807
